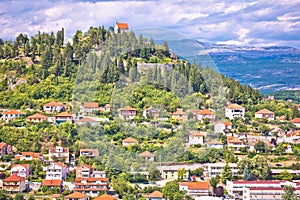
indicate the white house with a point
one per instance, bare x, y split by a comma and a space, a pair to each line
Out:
212, 169
53, 107
121, 27
296, 122
151, 113
156, 195
215, 144
56, 171
196, 137
265, 114
204, 114
147, 156
234, 143
195, 189
129, 141
234, 110
21, 170
127, 113
89, 107
222, 127
11, 115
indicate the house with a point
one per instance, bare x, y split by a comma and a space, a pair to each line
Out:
151, 113
87, 120
234, 110
14, 183
84, 171
195, 189
105, 197
105, 108
156, 195
121, 27
5, 149
214, 144
212, 169
89, 153
296, 122
265, 114
56, 171
92, 187
21, 170
28, 156
36, 118
222, 127
127, 113
53, 107
129, 141
50, 184
63, 117
59, 153
171, 172
290, 137
196, 137
77, 196
259, 188
234, 143
12, 115
204, 114
147, 156
89, 107
179, 114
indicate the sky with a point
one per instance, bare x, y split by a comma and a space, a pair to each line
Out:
233, 22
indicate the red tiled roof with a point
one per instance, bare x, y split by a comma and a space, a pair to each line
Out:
64, 114
87, 166
202, 185
155, 194
37, 116
86, 119
130, 140
234, 106
264, 111
53, 104
76, 195
24, 165
196, 133
258, 182
59, 164
31, 154
147, 154
266, 188
128, 108
2, 144
105, 197
122, 25
13, 112
233, 140
52, 182
205, 112
296, 120
14, 178
90, 105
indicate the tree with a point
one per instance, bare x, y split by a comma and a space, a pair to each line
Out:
121, 185
19, 197
171, 191
226, 174
3, 194
260, 146
214, 181
285, 175
264, 129
180, 174
289, 193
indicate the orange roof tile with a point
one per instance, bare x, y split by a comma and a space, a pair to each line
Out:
155, 194
128, 108
296, 120
122, 25
52, 182
59, 164
130, 140
233, 140
234, 106
24, 165
37, 116
64, 114
205, 112
86, 119
105, 197
14, 178
31, 154
264, 111
196, 133
13, 112
203, 185
147, 154
2, 144
76, 195
53, 104
90, 105
227, 123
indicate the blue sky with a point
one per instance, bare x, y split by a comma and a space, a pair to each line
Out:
255, 23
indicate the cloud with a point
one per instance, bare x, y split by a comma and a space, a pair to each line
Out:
247, 22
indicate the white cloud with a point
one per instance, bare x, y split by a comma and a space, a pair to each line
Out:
238, 22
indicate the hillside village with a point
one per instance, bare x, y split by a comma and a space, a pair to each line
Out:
249, 151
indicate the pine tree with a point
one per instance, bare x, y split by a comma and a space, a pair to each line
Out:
226, 174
